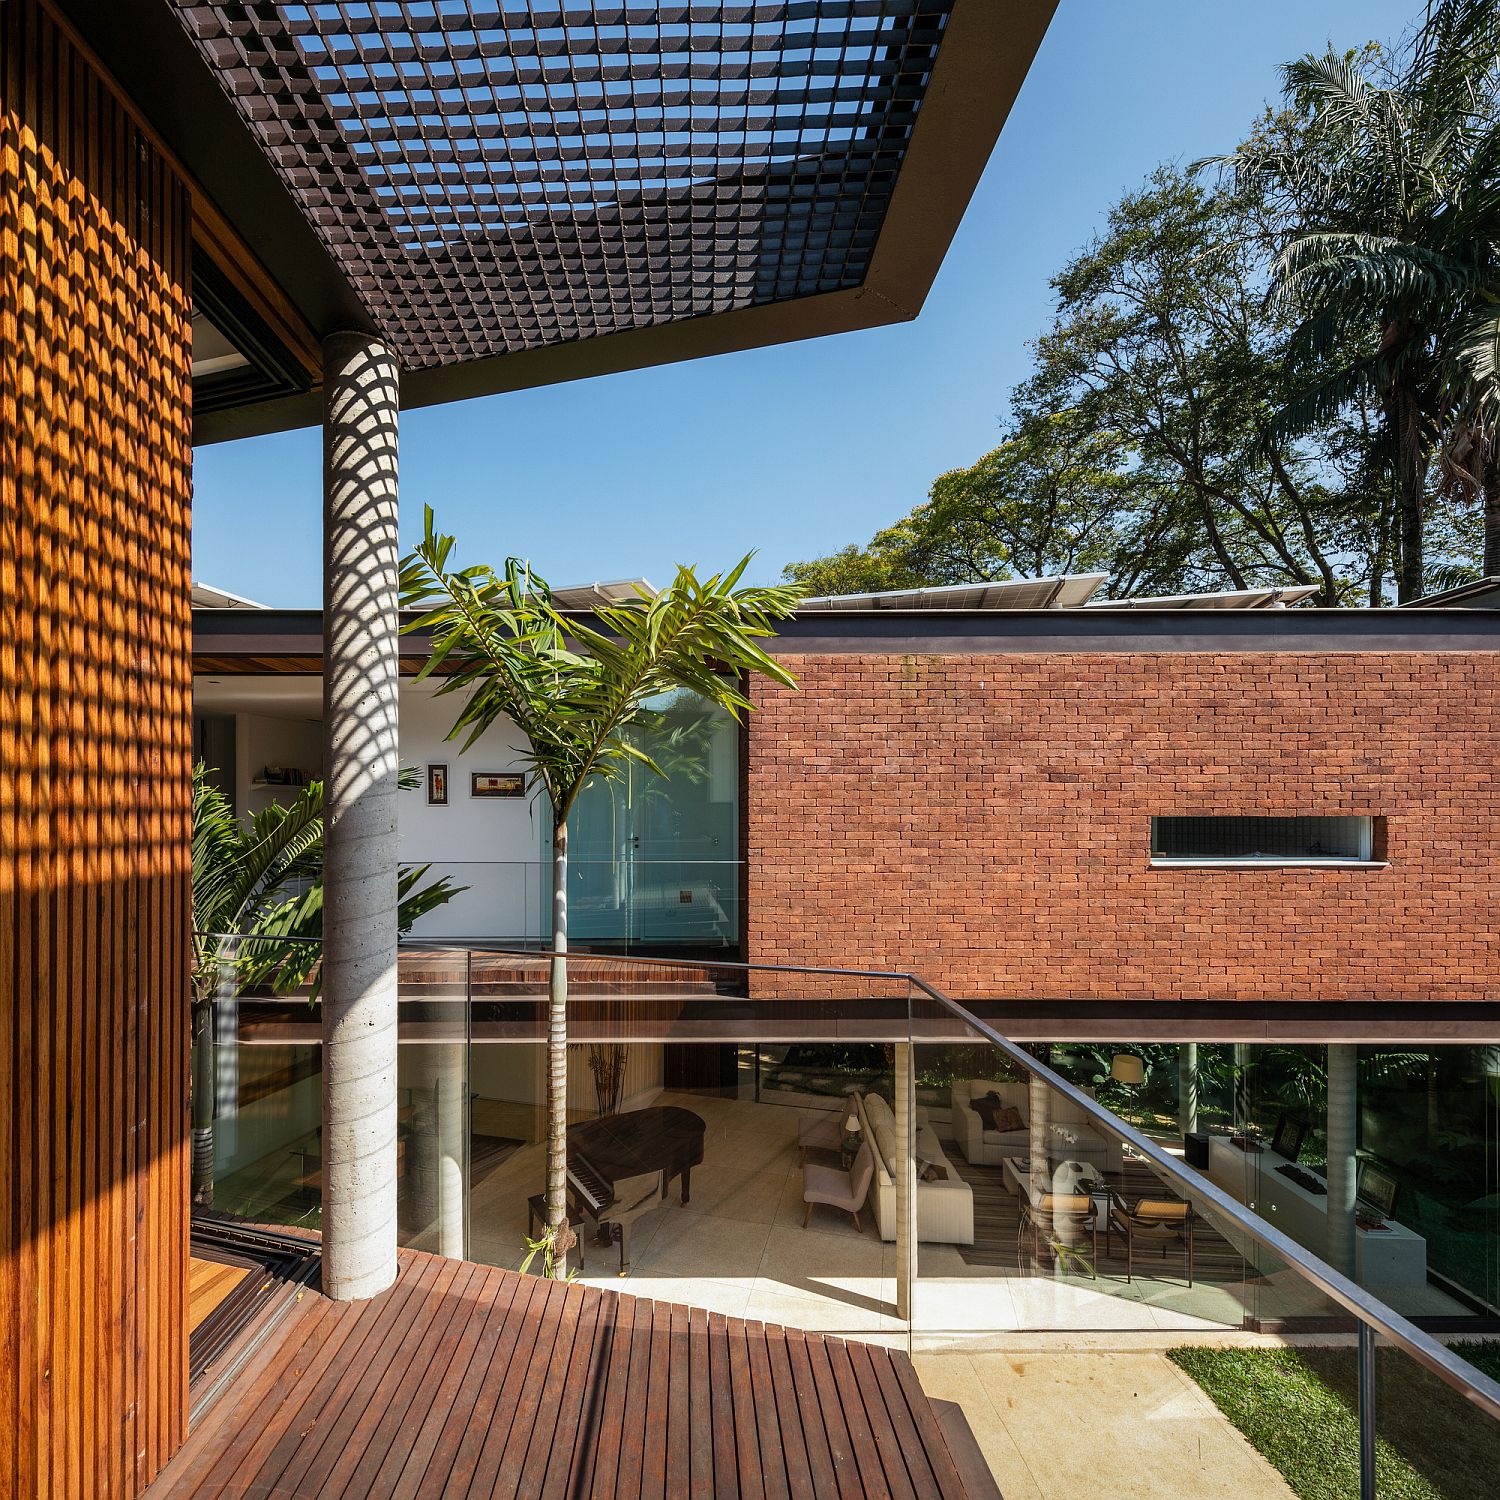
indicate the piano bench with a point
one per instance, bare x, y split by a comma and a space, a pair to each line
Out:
536, 1214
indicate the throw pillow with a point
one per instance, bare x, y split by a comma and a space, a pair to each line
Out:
930, 1171
985, 1108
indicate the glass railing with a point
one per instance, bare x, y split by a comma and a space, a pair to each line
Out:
641, 905
858, 1153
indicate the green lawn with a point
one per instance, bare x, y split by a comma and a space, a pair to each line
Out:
1297, 1406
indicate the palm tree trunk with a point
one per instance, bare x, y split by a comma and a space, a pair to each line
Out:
557, 1057
1492, 513
1411, 490
203, 1101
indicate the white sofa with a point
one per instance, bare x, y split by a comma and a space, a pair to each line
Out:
1073, 1135
945, 1206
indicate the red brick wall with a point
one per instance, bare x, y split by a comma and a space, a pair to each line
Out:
985, 821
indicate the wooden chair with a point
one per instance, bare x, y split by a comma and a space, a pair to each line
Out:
1059, 1221
1162, 1221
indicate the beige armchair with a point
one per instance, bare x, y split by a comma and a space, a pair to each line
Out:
838, 1188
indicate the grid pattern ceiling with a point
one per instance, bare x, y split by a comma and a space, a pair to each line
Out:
500, 176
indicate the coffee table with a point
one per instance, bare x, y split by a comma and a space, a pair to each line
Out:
1067, 1177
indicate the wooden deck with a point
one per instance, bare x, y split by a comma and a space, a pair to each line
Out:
209, 1283
467, 1380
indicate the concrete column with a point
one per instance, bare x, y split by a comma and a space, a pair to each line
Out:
1187, 1087
432, 1196
361, 556
906, 1179
1038, 1114
1343, 1130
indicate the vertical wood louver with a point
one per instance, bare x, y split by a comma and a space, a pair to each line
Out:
95, 732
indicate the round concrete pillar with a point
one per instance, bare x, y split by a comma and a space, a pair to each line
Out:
1343, 1131
361, 556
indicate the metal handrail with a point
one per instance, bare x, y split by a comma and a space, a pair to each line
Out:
1370, 1313
1422, 1347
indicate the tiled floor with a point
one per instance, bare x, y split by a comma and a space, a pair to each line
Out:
1057, 1424
738, 1247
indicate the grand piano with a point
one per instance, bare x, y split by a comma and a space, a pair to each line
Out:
622, 1166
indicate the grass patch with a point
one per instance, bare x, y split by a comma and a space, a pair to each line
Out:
1298, 1408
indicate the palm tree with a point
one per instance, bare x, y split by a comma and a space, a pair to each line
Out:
257, 915
574, 691
1385, 175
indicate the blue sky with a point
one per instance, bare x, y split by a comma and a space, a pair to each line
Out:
791, 452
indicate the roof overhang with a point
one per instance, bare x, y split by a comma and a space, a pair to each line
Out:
238, 642
986, 49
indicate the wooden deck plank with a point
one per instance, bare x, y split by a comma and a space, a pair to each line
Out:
701, 1430
677, 1458
820, 1462
789, 1415
721, 1387
658, 1405
466, 1380
892, 1460
633, 1422
864, 1471
509, 1357
773, 1457
599, 1468
311, 1453
929, 1430
377, 1428
453, 1400
742, 1398
209, 1283
550, 1454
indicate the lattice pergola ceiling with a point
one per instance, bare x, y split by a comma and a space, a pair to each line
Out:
493, 177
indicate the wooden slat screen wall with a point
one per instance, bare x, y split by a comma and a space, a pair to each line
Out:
95, 734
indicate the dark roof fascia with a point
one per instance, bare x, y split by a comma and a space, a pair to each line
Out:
298, 633
987, 49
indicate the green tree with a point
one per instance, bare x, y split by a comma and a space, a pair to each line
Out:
1163, 337
257, 915
574, 689
1052, 498
889, 561
1382, 183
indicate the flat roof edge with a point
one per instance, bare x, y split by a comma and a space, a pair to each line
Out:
298, 633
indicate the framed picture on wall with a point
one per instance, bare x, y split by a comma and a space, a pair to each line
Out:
437, 786
497, 784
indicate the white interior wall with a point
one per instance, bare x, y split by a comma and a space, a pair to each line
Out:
493, 845
273, 739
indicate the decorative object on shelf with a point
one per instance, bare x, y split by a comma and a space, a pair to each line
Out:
607, 1064
437, 786
283, 776
1288, 1136
497, 784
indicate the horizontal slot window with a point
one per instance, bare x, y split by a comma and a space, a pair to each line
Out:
1267, 840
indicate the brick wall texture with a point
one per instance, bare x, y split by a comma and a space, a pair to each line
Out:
985, 820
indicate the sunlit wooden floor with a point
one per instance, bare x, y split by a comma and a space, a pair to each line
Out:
209, 1283
469, 1380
